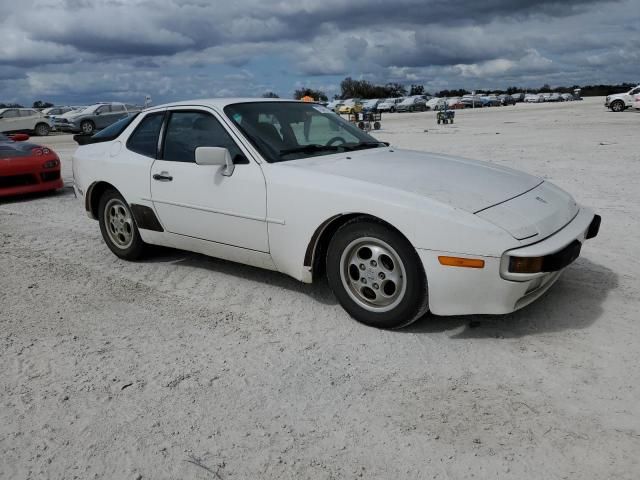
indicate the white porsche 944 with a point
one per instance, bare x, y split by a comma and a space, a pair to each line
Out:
292, 187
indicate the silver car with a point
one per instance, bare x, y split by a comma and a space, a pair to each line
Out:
94, 117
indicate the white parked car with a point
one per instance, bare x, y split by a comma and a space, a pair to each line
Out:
292, 187
619, 102
24, 120
532, 98
390, 104
437, 103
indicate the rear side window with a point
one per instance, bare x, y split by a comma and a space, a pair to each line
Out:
189, 130
117, 108
144, 139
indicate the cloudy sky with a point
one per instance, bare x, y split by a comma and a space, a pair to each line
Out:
79, 51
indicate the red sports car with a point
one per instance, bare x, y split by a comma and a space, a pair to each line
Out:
26, 167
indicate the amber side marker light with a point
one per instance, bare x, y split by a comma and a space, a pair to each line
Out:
461, 262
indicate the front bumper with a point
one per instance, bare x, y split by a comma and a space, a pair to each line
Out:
20, 184
493, 289
67, 127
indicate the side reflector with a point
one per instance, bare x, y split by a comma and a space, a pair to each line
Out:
461, 262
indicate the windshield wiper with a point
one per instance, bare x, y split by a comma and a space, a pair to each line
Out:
363, 145
312, 148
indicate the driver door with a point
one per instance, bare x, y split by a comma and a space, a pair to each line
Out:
197, 200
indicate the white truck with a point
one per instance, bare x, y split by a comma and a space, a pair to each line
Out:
619, 102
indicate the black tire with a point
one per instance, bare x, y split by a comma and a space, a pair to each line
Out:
376, 125
42, 130
361, 125
87, 127
392, 110
408, 305
124, 250
617, 106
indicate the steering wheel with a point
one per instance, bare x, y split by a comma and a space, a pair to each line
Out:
334, 140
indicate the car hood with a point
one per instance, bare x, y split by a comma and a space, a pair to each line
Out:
9, 150
466, 184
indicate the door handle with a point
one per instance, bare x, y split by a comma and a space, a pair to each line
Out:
162, 177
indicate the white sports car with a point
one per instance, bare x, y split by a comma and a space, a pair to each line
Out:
291, 186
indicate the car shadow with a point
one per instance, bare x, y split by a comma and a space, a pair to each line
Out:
318, 291
27, 197
574, 302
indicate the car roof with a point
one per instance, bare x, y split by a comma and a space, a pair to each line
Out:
220, 103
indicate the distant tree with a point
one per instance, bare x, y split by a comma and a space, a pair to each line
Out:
395, 90
270, 95
318, 95
39, 104
452, 93
416, 90
10, 105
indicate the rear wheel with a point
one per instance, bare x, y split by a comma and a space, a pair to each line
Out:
118, 228
42, 129
376, 275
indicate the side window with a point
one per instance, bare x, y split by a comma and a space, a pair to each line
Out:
103, 109
117, 108
10, 114
144, 139
187, 131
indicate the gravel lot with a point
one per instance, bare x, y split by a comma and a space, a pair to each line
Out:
182, 366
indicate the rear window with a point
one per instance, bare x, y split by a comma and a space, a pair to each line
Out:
144, 139
112, 132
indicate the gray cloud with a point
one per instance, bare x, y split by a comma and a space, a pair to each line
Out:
183, 47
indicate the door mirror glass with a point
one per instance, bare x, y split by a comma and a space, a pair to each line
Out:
215, 156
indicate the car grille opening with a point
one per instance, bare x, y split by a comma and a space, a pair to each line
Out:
49, 176
17, 181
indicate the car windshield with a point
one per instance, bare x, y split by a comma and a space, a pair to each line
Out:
283, 131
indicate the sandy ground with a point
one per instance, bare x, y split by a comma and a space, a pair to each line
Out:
182, 366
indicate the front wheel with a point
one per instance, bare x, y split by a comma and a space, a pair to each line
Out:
617, 106
87, 127
376, 275
118, 227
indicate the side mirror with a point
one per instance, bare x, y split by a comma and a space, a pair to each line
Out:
215, 156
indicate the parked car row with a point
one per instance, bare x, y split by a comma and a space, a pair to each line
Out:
548, 97
75, 119
414, 103
94, 117
422, 103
